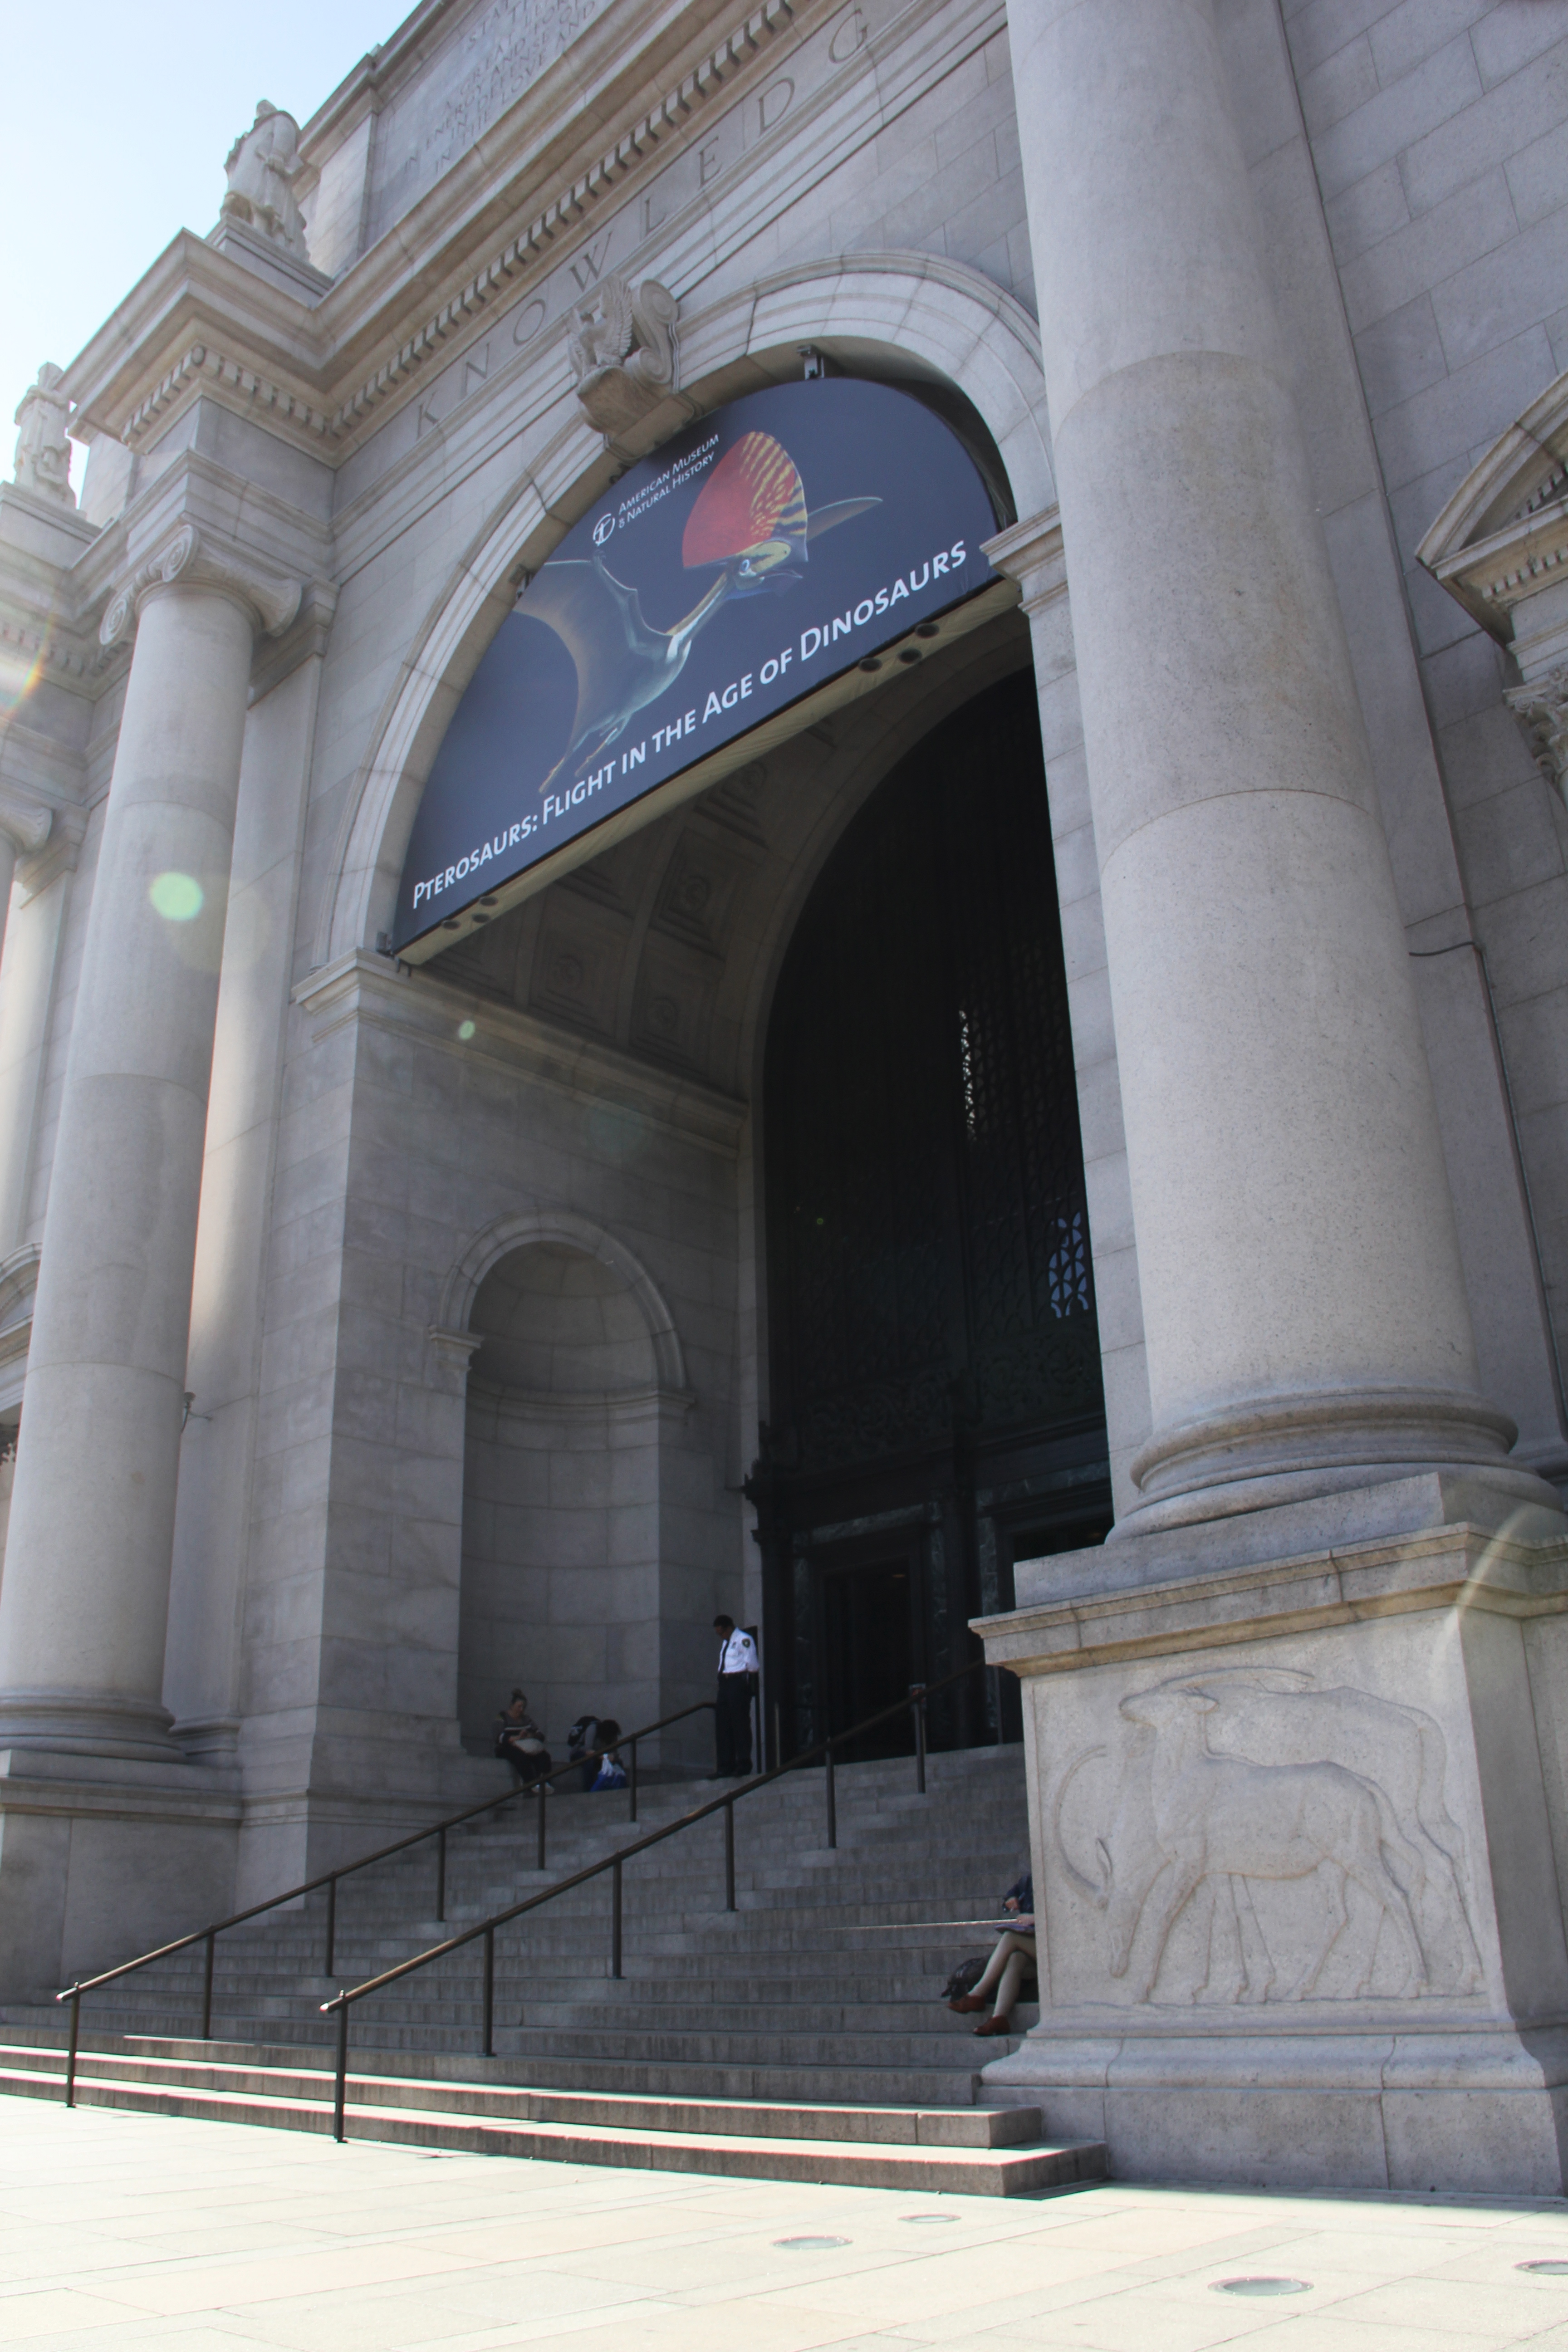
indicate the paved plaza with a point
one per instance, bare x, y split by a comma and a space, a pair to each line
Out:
122, 2230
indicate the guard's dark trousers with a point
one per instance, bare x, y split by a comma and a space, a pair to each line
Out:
732, 1724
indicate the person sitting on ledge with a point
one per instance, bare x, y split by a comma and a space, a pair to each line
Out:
520, 1743
1012, 1959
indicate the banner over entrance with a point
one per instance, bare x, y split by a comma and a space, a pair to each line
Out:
773, 547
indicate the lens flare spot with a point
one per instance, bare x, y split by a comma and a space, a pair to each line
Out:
465, 1030
178, 898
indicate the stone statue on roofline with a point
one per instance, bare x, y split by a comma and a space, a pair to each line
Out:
262, 166
43, 452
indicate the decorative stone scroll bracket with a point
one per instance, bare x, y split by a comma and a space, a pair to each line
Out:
622, 343
24, 824
191, 558
1542, 708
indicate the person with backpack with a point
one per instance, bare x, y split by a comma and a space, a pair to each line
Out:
612, 1772
581, 1745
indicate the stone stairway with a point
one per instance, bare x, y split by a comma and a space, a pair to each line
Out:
726, 2043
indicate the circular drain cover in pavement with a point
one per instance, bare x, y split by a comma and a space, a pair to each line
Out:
1544, 2270
1261, 2286
810, 2245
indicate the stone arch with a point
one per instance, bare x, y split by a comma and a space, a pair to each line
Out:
564, 1228
936, 318
870, 746
576, 1458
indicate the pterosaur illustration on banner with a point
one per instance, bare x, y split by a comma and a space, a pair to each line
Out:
749, 520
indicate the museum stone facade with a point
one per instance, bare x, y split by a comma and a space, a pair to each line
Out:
898, 1195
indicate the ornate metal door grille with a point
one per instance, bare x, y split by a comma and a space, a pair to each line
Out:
929, 1269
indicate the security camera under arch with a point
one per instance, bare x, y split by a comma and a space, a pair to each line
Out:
763, 553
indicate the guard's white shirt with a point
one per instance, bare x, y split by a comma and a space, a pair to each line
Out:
738, 1654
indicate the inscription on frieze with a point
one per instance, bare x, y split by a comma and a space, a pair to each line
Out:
467, 86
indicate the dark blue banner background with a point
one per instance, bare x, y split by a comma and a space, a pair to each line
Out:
767, 550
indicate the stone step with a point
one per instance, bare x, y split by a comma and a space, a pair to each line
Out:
977, 2152
797, 1997
432, 2056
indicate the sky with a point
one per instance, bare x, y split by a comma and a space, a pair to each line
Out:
114, 123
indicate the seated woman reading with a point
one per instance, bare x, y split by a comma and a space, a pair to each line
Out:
520, 1743
1009, 1963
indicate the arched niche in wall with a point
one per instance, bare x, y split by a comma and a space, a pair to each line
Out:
573, 1561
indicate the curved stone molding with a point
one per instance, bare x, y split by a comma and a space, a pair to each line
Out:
191, 559
918, 305
18, 1283
1503, 534
566, 1230
1500, 548
24, 824
1291, 1446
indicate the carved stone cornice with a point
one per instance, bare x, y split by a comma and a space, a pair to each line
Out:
1031, 552
191, 558
1503, 536
59, 855
453, 1349
73, 660
1542, 708
291, 369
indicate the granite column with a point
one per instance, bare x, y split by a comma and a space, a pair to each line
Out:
1303, 1305
85, 1602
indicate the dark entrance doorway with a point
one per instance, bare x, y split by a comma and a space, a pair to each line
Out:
867, 1602
936, 1401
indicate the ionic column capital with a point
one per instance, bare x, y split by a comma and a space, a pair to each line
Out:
194, 557
24, 824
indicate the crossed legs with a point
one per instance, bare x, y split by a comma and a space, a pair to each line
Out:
1005, 1970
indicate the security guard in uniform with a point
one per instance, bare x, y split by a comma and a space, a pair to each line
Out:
739, 1667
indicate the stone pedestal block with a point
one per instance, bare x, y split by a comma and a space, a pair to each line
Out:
1298, 1814
97, 1867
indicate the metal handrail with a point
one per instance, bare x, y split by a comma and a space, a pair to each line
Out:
342, 2003
329, 1879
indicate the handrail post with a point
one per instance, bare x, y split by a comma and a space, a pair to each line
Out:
542, 1799
616, 1918
207, 1988
331, 1961
340, 2088
632, 1783
832, 1803
778, 1733
919, 1739
489, 1992
71, 2053
441, 1874
729, 1854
